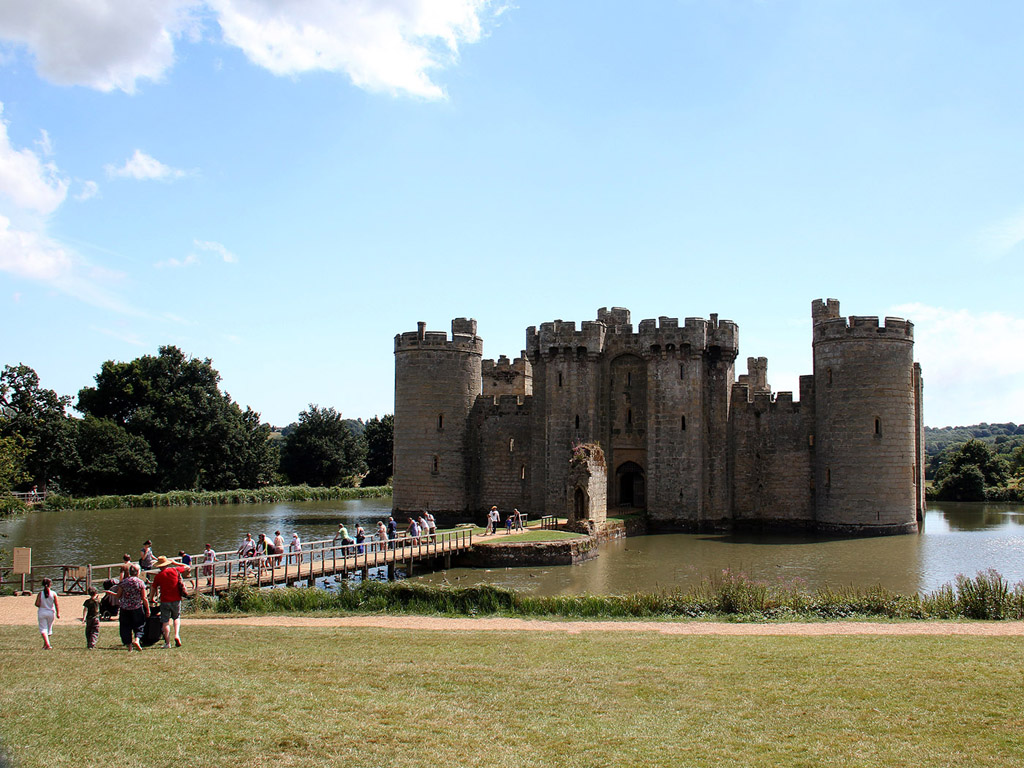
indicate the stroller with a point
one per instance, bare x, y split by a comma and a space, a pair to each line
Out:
108, 605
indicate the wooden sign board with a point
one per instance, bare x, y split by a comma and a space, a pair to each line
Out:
22, 560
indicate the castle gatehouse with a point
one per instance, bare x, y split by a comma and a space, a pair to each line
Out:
683, 439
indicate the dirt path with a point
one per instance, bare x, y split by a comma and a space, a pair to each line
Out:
21, 611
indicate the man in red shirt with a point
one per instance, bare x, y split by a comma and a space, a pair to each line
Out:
169, 584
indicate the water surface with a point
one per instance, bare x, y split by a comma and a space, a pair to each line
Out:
956, 538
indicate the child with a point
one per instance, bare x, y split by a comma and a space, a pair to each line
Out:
91, 618
49, 609
508, 525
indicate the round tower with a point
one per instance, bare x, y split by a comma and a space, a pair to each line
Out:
437, 381
866, 405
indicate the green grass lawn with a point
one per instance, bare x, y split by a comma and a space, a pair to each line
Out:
253, 696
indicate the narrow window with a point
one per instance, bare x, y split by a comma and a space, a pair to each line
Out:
828, 376
577, 421
828, 477
522, 472
681, 372
629, 379
440, 422
511, 444
878, 426
559, 378
683, 424
629, 415
437, 466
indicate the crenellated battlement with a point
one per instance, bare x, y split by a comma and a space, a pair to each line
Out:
863, 327
560, 335
829, 325
663, 334
507, 377
463, 338
762, 402
503, 365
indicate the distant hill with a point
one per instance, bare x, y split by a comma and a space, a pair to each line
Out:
1002, 437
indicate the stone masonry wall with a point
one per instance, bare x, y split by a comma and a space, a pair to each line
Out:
501, 452
772, 468
437, 381
866, 422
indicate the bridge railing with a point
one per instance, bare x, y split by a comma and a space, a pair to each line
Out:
315, 558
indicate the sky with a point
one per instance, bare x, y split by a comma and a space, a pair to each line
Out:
281, 187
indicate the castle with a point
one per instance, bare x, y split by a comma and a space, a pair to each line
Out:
679, 435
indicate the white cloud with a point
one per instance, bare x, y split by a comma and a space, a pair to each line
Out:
30, 191
143, 167
384, 45
971, 362
103, 44
31, 254
188, 261
388, 46
220, 250
26, 181
89, 190
35, 256
44, 143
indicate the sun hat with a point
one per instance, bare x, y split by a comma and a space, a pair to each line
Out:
165, 562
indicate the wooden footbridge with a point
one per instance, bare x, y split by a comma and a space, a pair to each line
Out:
315, 560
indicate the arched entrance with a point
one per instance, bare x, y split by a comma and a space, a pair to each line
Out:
579, 504
629, 484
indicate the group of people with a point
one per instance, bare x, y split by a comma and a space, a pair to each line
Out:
129, 598
422, 528
514, 521
266, 551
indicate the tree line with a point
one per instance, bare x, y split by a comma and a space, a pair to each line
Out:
983, 462
160, 423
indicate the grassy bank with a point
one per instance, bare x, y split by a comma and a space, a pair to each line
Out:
366, 697
986, 596
267, 495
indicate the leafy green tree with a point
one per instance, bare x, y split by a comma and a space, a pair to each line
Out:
966, 470
199, 437
380, 448
13, 453
112, 459
320, 450
38, 416
965, 484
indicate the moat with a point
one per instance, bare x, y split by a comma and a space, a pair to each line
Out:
956, 538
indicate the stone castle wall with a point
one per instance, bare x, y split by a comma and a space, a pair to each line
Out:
866, 418
501, 452
683, 438
772, 475
437, 383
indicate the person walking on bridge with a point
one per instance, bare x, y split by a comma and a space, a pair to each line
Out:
168, 583
278, 547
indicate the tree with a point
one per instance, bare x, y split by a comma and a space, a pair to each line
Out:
199, 437
13, 454
321, 450
966, 470
39, 418
380, 450
112, 459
